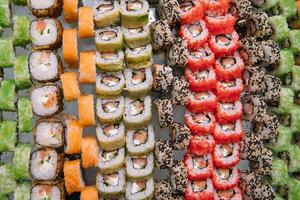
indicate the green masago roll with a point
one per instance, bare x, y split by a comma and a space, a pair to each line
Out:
20, 2
269, 4
280, 28
134, 13
288, 8
22, 192
7, 181
5, 14
286, 102
294, 39
21, 35
296, 78
283, 140
295, 119
21, 161
294, 159
285, 64
6, 52
24, 115
8, 95
8, 135
21, 72
293, 189
279, 172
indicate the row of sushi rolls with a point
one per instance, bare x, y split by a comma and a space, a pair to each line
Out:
232, 64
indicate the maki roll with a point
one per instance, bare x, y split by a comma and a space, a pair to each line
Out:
138, 81
224, 44
45, 66
191, 11
70, 86
180, 91
280, 28
136, 37
86, 112
46, 33
73, 176
226, 155
89, 152
178, 53
85, 22
232, 194
291, 158
134, 14
223, 24
46, 100
49, 133
137, 112
178, 177
21, 161
87, 67
8, 183
283, 141
202, 101
139, 167
258, 24
21, 72
273, 87
180, 136
73, 136
106, 13
8, 95
165, 112
229, 112
163, 190
47, 189
218, 7
169, 10
201, 58
111, 161
5, 20
112, 184
25, 115
21, 31
8, 135
138, 190
89, 193
70, 9
201, 144
287, 8
110, 110
262, 162
200, 123
161, 34
45, 9
196, 34
110, 84
286, 102
22, 191
251, 51
254, 80
230, 132
224, 179
198, 167
228, 91
296, 78
7, 53
251, 146
140, 141
279, 174
163, 154
111, 136
46, 164
294, 40
162, 77
199, 189
200, 81
109, 39
271, 51
140, 57
267, 127
110, 61
254, 108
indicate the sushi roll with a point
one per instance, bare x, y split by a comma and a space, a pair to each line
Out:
141, 141
111, 136
89, 193
70, 85
273, 87
138, 190
200, 123
224, 44
223, 24
216, 7
178, 177
111, 161
8, 183
118, 197
47, 189
110, 110
201, 144
291, 158
21, 161
85, 22
250, 146
254, 108
45, 9
251, 51
163, 190
287, 8
267, 126
191, 11
201, 58
137, 112
46, 164
294, 40
110, 84
196, 34
229, 112
279, 174
73, 176
109, 39
254, 80
139, 167
226, 155
25, 115
70, 46
7, 53
234, 193
112, 184
224, 179
46, 100
198, 167
180, 91
229, 67
136, 37
230, 132
21, 72
178, 53
8, 95
140, 57
22, 191
161, 34
295, 75
280, 28
8, 130
49, 133
258, 25
5, 20
73, 136
228, 91
45, 66
262, 163
283, 141
271, 51
138, 81
162, 77
199, 189
165, 112
21, 35
110, 61
134, 14
70, 9
201, 80
163, 154
180, 136
106, 13
46, 33
286, 101
87, 67
169, 10
89, 152
201, 102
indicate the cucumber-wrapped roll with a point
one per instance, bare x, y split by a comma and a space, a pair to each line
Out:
295, 118
5, 14
139, 57
8, 136
288, 8
8, 95
280, 28
22, 192
294, 39
21, 161
6, 52
279, 172
25, 115
283, 140
136, 37
21, 72
285, 64
7, 181
286, 102
21, 35
296, 78
134, 14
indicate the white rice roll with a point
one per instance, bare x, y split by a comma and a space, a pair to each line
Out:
139, 167
49, 8
140, 141
140, 190
110, 61
136, 37
110, 84
111, 136
140, 57
106, 13
137, 112
47, 190
109, 39
110, 110
111, 161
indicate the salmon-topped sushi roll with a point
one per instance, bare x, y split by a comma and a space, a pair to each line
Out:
51, 8
89, 193
73, 135
73, 176
45, 190
89, 152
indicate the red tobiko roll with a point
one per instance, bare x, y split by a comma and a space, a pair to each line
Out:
224, 44
229, 91
229, 112
225, 178
201, 144
201, 58
199, 190
200, 81
226, 155
216, 7
232, 194
191, 11
228, 133
201, 123
202, 101
220, 24
198, 167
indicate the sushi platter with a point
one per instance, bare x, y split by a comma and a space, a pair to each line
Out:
149, 99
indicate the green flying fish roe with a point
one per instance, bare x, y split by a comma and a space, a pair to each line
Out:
296, 78
21, 35
269, 4
294, 38
294, 159
8, 135
295, 119
293, 189
8, 95
288, 8
20, 2
22, 192
6, 52
286, 102
280, 28
7, 181
279, 172
284, 139
277, 197
21, 161
21, 72
286, 63
5, 14
25, 115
